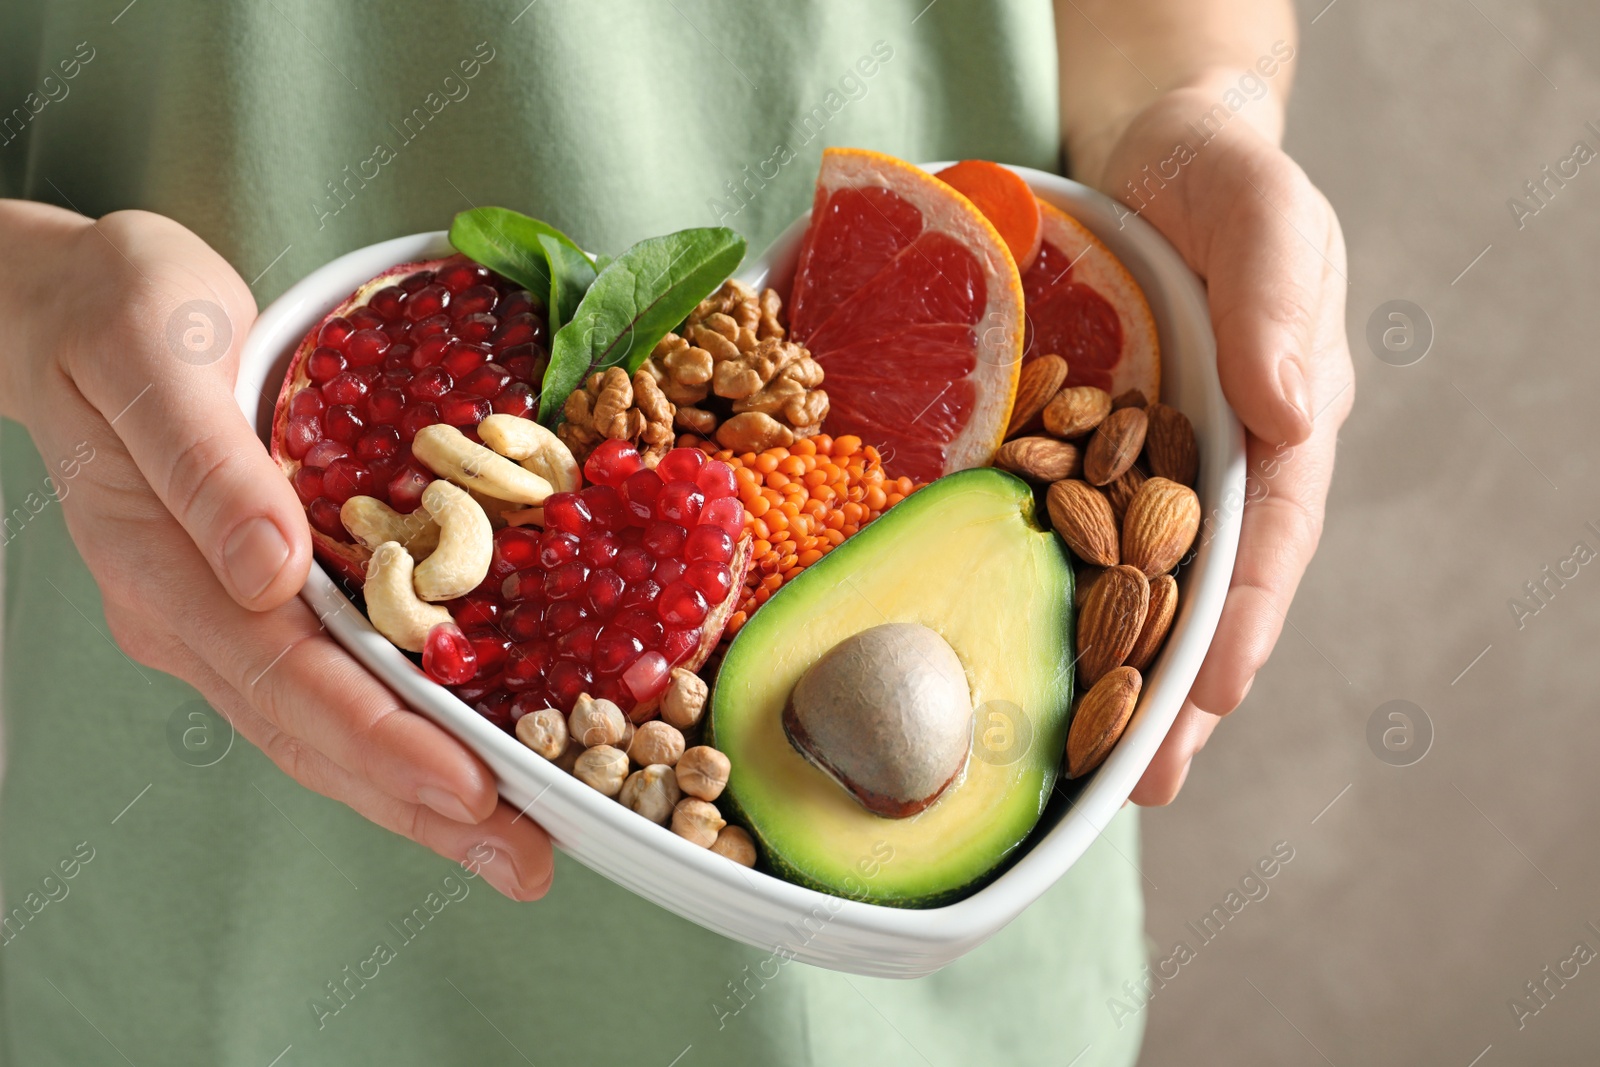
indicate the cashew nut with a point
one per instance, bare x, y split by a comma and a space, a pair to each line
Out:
466, 544
446, 451
536, 448
372, 522
392, 603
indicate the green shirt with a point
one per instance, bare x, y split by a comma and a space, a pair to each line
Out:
163, 912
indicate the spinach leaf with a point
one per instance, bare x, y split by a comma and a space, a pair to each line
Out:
633, 303
535, 255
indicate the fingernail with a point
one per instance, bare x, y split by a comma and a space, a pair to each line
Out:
253, 557
1292, 380
498, 872
446, 803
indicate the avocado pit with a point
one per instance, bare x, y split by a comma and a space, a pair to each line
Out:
888, 715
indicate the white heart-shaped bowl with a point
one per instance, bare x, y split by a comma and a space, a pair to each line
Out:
705, 888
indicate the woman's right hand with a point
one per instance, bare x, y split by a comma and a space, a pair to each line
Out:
122, 336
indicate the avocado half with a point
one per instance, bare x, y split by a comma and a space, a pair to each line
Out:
966, 557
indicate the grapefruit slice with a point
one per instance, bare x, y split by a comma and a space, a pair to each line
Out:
912, 303
1005, 200
1085, 307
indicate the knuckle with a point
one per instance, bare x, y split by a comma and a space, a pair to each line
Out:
200, 472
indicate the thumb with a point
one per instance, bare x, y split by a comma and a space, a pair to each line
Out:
163, 378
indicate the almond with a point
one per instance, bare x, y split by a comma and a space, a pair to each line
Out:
1076, 410
1132, 398
1162, 520
1157, 621
1100, 718
1042, 459
1116, 443
1121, 491
1170, 445
1039, 380
1109, 624
1083, 518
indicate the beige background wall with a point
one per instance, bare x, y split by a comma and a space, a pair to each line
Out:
1426, 897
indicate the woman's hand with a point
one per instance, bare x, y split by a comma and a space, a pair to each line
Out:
124, 334
1247, 219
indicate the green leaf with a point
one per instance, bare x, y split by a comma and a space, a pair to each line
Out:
534, 254
633, 303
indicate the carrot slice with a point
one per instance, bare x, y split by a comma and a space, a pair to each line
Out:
1005, 200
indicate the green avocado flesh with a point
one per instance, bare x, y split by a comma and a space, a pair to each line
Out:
965, 557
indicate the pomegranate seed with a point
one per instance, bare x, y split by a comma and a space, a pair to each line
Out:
516, 400
556, 548
491, 647
306, 402
364, 318
487, 380
634, 563
415, 418
528, 703
482, 684
725, 513
335, 332
323, 364
646, 627
712, 579
615, 649
384, 405
524, 621
367, 347
396, 331
528, 663
516, 330
680, 644
601, 549
412, 282
324, 515
399, 355
664, 540
565, 581
431, 328
405, 489
476, 327
640, 490
669, 571
342, 423
523, 585
611, 463
578, 643
300, 434
459, 276
447, 655
680, 502
462, 358
646, 679
476, 611
515, 548
642, 594
681, 464
344, 388
381, 442
707, 542
429, 352
430, 384
525, 362
307, 484
387, 301
428, 300
344, 479
716, 481
325, 452
605, 590
568, 681
463, 409
604, 504
682, 605
562, 616
565, 512
514, 302
476, 300
496, 708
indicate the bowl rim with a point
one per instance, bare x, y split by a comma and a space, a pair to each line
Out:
945, 931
